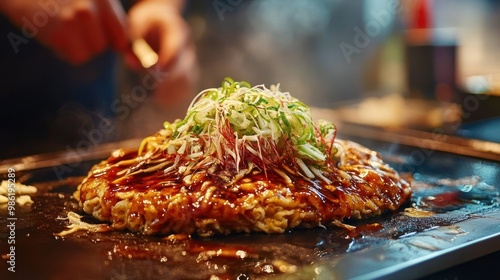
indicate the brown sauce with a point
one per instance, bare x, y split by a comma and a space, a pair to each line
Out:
329, 201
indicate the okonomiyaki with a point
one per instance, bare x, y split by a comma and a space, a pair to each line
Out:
244, 159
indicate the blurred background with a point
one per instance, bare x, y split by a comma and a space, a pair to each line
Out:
429, 65
425, 64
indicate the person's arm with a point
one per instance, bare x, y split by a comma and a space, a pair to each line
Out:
76, 30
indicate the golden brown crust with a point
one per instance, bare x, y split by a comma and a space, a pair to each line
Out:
205, 204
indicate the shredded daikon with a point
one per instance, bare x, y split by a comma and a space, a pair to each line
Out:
237, 123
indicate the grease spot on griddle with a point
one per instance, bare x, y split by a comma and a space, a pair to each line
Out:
423, 245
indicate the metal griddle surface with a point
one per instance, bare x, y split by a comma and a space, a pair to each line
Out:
466, 226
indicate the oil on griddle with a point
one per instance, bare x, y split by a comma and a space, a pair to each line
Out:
437, 201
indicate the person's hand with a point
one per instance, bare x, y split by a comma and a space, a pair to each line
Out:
160, 23
76, 30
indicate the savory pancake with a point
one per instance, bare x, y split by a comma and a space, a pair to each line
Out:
243, 159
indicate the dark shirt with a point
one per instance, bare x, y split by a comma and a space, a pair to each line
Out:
48, 104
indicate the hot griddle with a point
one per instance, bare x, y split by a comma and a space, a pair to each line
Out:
461, 189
